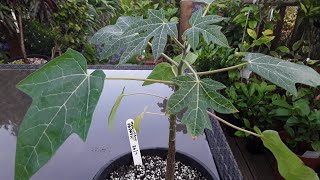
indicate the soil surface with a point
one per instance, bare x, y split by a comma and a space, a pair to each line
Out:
154, 168
34, 60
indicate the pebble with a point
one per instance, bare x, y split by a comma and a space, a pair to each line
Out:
154, 168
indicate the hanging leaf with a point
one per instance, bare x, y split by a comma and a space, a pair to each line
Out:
64, 98
111, 38
114, 109
136, 124
154, 27
162, 71
282, 73
290, 166
205, 26
197, 97
252, 33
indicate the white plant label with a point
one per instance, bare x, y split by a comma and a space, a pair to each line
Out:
134, 144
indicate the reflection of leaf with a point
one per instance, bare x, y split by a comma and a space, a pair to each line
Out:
115, 108
282, 73
290, 166
205, 26
64, 98
136, 124
162, 71
197, 97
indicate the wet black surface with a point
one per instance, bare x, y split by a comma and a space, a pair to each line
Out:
78, 160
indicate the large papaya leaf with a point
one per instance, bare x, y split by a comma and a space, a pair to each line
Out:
205, 26
111, 37
198, 96
64, 98
282, 73
154, 27
290, 166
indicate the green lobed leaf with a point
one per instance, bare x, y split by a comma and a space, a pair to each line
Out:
114, 109
205, 26
162, 71
112, 38
197, 97
290, 166
155, 28
282, 73
64, 98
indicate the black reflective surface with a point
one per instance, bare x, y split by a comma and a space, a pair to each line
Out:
78, 160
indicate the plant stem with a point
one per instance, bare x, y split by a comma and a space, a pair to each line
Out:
141, 79
233, 126
221, 70
171, 164
206, 10
178, 42
159, 114
191, 69
166, 57
148, 94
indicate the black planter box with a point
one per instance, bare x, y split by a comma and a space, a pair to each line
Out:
78, 160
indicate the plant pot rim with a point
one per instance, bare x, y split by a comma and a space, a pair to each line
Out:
29, 56
126, 159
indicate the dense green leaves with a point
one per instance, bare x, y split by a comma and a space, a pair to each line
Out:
290, 166
162, 71
154, 27
198, 96
205, 26
111, 37
64, 98
282, 73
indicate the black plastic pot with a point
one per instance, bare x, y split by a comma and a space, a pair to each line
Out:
126, 159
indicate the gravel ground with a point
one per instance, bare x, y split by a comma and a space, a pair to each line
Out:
154, 168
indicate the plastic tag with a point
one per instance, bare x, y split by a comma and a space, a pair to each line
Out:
134, 144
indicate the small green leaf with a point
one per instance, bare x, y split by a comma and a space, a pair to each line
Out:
136, 124
290, 166
282, 112
204, 25
162, 71
190, 58
302, 106
282, 73
297, 45
114, 109
282, 103
240, 134
263, 40
283, 49
252, 24
252, 33
246, 123
316, 145
257, 130
267, 32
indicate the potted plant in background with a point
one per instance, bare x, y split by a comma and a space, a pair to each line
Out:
65, 95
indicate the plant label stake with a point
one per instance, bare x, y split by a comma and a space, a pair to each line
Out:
134, 144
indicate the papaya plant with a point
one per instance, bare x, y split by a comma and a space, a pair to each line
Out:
65, 95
